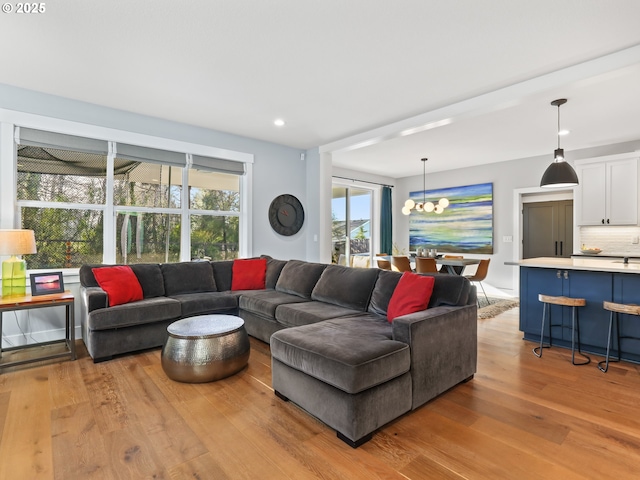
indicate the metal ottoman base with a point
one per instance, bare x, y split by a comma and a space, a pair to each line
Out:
205, 348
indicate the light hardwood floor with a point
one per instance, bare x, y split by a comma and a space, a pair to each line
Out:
521, 417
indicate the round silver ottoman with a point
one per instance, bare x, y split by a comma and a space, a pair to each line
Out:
205, 348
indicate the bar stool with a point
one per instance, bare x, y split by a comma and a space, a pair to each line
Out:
615, 309
549, 300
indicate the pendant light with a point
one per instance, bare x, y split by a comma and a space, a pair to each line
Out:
559, 173
425, 206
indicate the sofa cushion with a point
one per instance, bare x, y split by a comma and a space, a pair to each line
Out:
299, 278
222, 273
206, 302
274, 268
249, 274
150, 278
412, 294
137, 313
385, 285
295, 314
352, 354
120, 283
452, 290
187, 277
346, 287
86, 276
149, 275
265, 302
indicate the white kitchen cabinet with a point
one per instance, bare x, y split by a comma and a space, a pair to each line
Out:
607, 193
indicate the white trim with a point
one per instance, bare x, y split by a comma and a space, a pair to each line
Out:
111, 134
109, 217
539, 194
7, 176
185, 216
10, 122
147, 210
489, 102
374, 209
608, 158
60, 205
215, 213
246, 213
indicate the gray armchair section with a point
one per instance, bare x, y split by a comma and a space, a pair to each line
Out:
334, 353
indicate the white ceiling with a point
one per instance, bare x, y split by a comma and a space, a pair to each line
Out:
346, 73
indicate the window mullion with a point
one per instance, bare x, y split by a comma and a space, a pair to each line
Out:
60, 205
185, 220
8, 187
109, 219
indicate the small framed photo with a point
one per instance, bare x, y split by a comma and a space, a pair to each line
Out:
46, 283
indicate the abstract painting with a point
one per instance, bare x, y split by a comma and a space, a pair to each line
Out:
465, 226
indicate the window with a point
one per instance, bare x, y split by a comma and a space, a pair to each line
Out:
61, 190
351, 209
86, 204
214, 202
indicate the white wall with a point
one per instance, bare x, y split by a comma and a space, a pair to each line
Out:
277, 169
506, 177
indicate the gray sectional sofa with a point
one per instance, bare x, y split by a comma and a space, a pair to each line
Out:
334, 353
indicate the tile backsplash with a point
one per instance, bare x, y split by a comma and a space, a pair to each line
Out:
612, 240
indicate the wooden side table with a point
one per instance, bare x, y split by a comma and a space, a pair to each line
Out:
28, 302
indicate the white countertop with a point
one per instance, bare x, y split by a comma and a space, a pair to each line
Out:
591, 264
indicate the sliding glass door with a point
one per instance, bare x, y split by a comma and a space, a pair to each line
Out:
351, 214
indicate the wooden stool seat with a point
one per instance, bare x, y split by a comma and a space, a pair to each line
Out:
627, 308
615, 309
565, 301
574, 303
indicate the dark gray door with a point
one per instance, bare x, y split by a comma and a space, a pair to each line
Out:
547, 229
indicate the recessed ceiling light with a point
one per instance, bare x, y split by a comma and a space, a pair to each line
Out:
564, 132
278, 122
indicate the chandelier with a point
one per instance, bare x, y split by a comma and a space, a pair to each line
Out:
425, 206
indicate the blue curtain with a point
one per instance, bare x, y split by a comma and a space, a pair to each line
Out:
386, 224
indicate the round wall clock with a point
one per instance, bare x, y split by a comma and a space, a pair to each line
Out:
286, 215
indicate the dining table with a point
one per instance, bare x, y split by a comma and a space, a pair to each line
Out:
456, 266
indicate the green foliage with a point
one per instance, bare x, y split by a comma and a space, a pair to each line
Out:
68, 237
215, 237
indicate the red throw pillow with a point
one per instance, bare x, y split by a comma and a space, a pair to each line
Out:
249, 274
120, 283
411, 295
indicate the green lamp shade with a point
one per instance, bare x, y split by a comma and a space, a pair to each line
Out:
559, 174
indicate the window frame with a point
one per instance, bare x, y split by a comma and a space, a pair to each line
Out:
374, 208
10, 123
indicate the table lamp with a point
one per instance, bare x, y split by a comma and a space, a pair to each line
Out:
14, 270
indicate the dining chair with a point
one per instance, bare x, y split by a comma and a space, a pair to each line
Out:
383, 264
426, 265
400, 263
360, 261
480, 275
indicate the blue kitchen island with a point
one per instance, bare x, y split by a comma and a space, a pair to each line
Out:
595, 280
